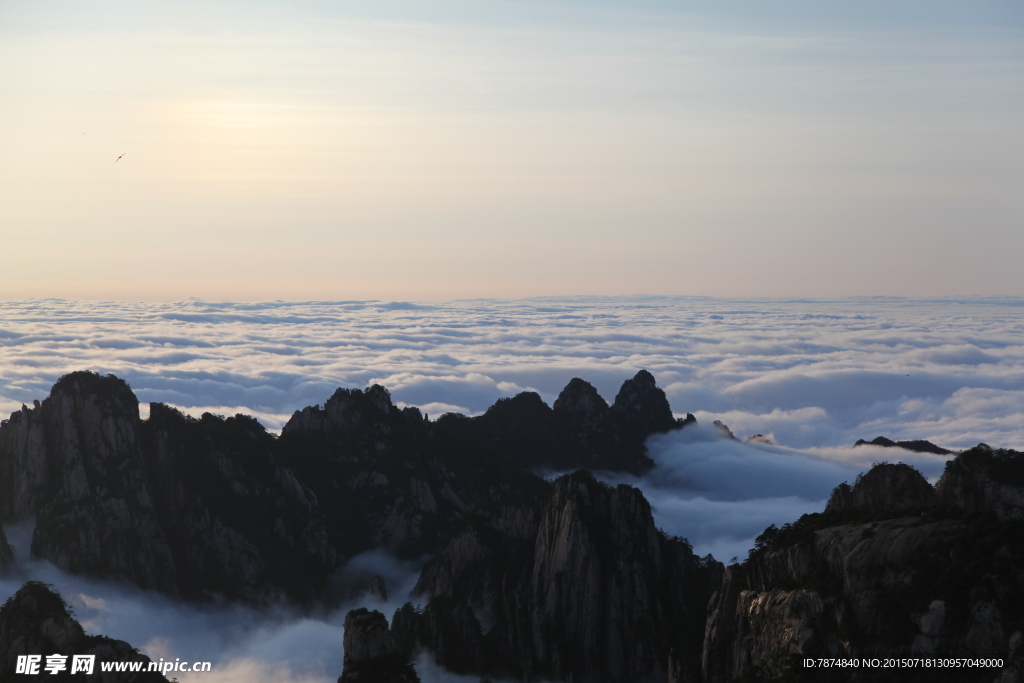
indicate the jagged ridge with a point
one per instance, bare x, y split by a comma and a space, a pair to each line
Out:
208, 507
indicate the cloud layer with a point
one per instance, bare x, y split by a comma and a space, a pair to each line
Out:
812, 372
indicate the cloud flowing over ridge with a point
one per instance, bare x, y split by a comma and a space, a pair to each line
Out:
721, 493
814, 373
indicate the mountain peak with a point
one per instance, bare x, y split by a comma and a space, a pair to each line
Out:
885, 487
641, 406
580, 401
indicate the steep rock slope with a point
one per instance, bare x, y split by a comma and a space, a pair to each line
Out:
578, 584
36, 621
891, 569
76, 465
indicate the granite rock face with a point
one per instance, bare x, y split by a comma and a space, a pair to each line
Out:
891, 569
579, 585
370, 652
36, 621
186, 507
75, 463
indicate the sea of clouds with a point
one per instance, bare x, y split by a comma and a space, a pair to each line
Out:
812, 375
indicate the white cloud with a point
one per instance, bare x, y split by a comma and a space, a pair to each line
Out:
815, 373
721, 493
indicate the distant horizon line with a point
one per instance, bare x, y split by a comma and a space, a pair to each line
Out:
1010, 299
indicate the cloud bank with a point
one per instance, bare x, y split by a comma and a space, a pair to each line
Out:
721, 493
814, 373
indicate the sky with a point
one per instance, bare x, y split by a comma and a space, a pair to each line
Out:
434, 151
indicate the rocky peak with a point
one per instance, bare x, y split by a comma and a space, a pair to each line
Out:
885, 487
345, 411
723, 429
985, 479
38, 615
379, 398
75, 464
36, 621
366, 635
580, 403
107, 390
370, 652
93, 424
517, 411
642, 407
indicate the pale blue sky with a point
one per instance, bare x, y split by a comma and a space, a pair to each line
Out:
450, 149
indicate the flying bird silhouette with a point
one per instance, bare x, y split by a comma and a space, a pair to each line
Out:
119, 158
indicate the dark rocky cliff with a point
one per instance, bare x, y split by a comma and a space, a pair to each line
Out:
983, 479
387, 478
237, 520
891, 568
598, 436
218, 507
36, 621
6, 553
183, 506
75, 463
577, 585
371, 654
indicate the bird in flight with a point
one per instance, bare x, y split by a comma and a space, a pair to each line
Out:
119, 158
